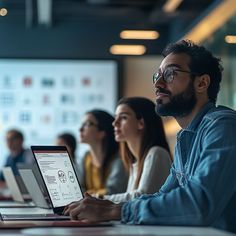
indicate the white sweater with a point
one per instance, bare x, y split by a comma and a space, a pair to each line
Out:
155, 171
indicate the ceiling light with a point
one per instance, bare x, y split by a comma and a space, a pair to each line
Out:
212, 21
230, 39
44, 12
171, 5
139, 34
3, 11
127, 49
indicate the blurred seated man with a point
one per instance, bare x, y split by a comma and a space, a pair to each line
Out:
18, 154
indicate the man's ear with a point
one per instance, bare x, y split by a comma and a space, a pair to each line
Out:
202, 83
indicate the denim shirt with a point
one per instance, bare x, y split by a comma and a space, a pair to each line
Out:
201, 187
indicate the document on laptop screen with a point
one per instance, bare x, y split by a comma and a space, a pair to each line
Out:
59, 176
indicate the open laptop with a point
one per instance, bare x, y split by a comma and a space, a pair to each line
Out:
36, 172
34, 184
12, 184
33, 188
60, 179
15, 187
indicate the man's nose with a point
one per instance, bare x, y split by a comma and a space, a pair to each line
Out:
159, 83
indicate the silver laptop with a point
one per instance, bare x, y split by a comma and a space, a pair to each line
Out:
37, 175
13, 186
33, 188
60, 179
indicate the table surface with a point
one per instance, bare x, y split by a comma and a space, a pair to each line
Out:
110, 230
72, 228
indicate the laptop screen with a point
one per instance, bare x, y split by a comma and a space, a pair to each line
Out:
58, 174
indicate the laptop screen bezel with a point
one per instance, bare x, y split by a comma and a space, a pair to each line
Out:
57, 210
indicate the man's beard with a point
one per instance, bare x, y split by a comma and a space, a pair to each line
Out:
180, 105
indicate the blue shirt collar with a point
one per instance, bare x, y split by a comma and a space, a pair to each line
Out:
198, 118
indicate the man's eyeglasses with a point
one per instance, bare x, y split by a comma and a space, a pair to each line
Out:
168, 75
87, 124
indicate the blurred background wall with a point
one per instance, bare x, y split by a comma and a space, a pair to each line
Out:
89, 31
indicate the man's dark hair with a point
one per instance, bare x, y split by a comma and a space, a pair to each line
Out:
17, 134
201, 62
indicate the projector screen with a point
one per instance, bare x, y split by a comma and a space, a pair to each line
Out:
43, 98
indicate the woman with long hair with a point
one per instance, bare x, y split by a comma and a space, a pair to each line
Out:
143, 145
101, 170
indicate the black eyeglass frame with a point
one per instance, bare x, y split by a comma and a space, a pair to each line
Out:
155, 77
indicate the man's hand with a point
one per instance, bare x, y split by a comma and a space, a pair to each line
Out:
91, 209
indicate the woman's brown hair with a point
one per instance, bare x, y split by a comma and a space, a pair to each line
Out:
104, 122
154, 134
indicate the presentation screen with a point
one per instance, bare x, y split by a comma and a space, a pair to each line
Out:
43, 98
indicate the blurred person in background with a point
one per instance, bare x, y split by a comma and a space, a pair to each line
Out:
101, 170
68, 140
17, 152
144, 148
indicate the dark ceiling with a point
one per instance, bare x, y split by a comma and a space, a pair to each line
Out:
87, 28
